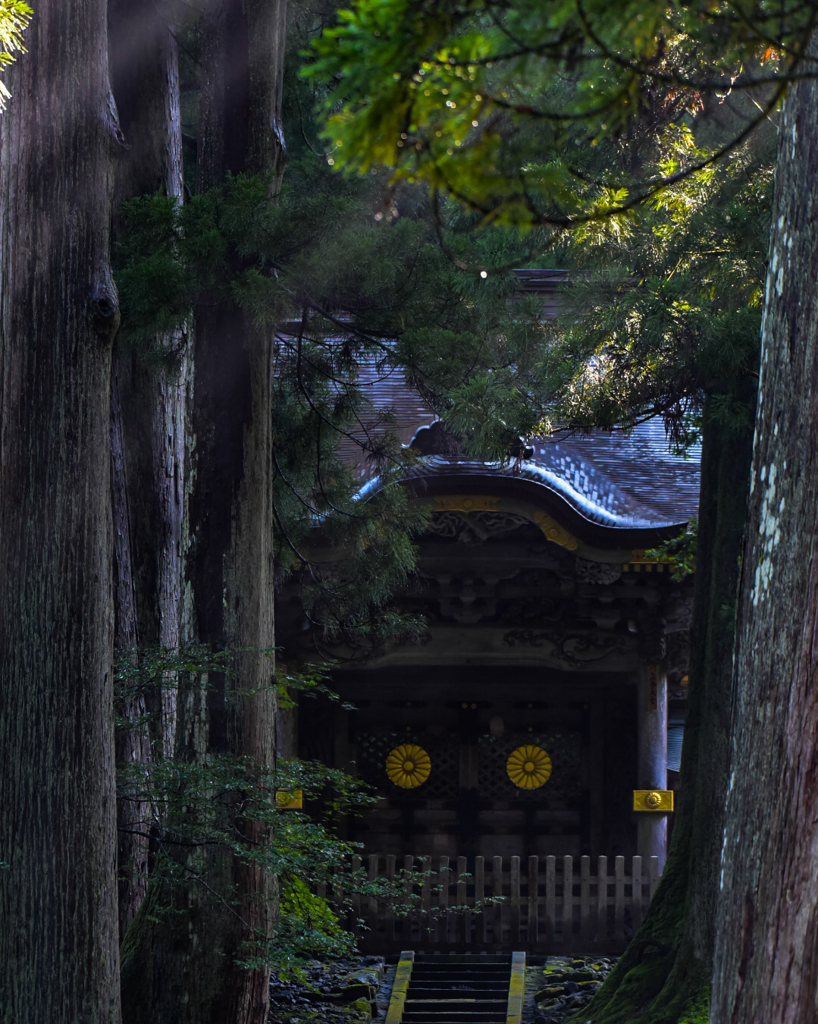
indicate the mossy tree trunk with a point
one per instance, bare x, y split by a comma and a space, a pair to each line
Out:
664, 975
148, 406
58, 316
767, 951
184, 969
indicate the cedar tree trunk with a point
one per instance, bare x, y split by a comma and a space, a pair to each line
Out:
58, 315
663, 976
767, 949
147, 430
184, 970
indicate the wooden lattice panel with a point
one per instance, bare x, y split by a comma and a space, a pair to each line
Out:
565, 783
443, 781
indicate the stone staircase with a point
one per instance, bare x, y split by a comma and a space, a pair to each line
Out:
465, 989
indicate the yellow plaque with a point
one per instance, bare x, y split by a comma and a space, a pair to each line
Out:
408, 765
289, 799
653, 800
529, 767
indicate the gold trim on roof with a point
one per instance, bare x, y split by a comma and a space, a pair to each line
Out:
641, 561
485, 503
553, 531
465, 503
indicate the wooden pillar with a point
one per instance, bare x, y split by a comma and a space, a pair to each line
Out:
652, 756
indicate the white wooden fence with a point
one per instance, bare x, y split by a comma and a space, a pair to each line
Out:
546, 907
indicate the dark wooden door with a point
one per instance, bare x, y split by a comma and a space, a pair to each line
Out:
468, 805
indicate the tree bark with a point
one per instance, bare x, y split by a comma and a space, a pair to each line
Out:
147, 427
663, 977
145, 63
231, 568
145, 78
169, 980
767, 947
58, 316
131, 735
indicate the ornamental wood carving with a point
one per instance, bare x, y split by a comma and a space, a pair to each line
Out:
485, 503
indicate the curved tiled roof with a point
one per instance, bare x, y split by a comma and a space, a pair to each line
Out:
634, 475
615, 479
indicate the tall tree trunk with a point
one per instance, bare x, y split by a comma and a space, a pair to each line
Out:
131, 735
58, 316
767, 950
664, 974
169, 979
147, 428
231, 503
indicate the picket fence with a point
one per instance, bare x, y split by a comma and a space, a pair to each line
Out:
546, 907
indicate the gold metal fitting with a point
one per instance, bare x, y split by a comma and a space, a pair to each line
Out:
660, 800
289, 799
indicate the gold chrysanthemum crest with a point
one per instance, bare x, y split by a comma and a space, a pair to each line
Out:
408, 765
529, 767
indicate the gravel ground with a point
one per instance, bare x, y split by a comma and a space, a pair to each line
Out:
338, 992
563, 986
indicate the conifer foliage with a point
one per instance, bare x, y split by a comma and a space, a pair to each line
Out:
488, 102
